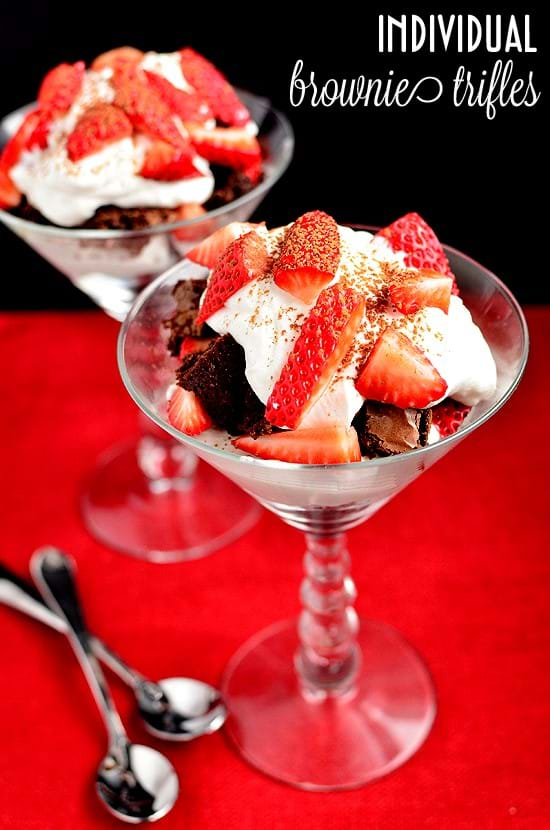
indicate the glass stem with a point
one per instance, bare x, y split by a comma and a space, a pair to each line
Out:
165, 463
328, 657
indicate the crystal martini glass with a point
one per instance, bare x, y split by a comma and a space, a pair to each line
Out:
148, 497
326, 702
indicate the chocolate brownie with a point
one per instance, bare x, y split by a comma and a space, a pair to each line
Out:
387, 430
230, 185
187, 294
217, 377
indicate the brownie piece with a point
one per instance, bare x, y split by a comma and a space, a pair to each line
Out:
217, 377
187, 294
387, 430
114, 218
230, 184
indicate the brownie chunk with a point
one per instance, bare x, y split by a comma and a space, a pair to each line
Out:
230, 184
187, 294
217, 377
387, 430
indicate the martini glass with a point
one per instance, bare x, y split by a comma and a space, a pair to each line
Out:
326, 702
148, 497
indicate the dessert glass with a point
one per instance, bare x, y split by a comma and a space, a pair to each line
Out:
326, 703
149, 498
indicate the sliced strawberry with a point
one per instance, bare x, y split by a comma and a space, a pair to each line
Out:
9, 194
414, 237
117, 59
448, 416
186, 412
145, 108
191, 345
397, 372
322, 344
95, 129
309, 256
207, 252
245, 259
60, 87
418, 289
319, 445
214, 88
165, 162
253, 171
229, 146
191, 211
188, 105
22, 139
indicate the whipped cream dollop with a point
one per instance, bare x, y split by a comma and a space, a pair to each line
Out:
68, 193
266, 321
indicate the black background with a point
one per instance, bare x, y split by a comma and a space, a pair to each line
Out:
475, 181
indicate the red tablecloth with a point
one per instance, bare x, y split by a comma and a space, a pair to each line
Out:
459, 563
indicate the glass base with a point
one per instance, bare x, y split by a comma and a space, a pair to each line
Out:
338, 742
121, 510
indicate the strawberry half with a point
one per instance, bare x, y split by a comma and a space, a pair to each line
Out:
60, 87
448, 416
191, 345
95, 129
398, 372
229, 146
118, 59
186, 412
165, 162
23, 139
207, 252
414, 237
9, 194
188, 105
322, 344
242, 261
214, 88
145, 108
319, 445
422, 288
309, 256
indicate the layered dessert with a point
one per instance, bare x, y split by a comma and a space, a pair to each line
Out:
135, 140
317, 344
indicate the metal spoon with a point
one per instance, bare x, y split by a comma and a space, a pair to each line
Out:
175, 708
136, 783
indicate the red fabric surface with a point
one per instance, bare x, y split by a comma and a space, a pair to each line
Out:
458, 562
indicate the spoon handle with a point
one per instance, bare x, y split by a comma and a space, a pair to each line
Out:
21, 595
53, 572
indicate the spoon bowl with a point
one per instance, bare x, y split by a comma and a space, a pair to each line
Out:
136, 783
185, 709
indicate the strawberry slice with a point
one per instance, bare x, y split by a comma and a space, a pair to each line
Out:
23, 139
186, 412
448, 416
165, 162
188, 105
309, 256
117, 59
191, 345
60, 87
242, 261
229, 146
398, 372
145, 108
207, 252
214, 88
9, 194
192, 210
321, 346
253, 171
318, 445
95, 129
416, 290
412, 235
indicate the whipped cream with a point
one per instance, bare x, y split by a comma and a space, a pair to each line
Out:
68, 193
266, 321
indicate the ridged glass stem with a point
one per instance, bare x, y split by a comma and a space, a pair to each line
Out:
166, 464
328, 657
